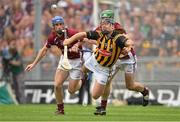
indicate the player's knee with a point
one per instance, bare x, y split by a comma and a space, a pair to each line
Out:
57, 87
94, 96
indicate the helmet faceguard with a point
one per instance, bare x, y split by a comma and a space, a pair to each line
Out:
107, 20
107, 17
58, 20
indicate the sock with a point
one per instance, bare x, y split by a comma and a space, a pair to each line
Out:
60, 107
145, 91
104, 104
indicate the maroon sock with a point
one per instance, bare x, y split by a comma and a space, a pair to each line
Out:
104, 103
60, 107
145, 91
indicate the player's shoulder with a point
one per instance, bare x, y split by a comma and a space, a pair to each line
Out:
116, 33
51, 36
119, 27
117, 36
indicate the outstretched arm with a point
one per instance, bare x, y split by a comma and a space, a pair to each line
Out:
75, 37
129, 43
85, 43
39, 56
128, 46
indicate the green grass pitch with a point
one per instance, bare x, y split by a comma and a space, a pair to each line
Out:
45, 112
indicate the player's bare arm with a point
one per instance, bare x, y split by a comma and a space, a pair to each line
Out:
75, 37
86, 42
129, 44
40, 55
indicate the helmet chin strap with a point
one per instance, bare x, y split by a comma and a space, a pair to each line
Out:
107, 33
59, 32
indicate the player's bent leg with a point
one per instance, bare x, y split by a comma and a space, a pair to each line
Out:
74, 85
60, 77
98, 90
78, 85
101, 110
75, 81
131, 84
145, 94
107, 90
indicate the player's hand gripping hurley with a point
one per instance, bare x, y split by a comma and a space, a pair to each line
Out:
65, 62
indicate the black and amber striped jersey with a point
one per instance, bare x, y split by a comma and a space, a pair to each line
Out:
108, 48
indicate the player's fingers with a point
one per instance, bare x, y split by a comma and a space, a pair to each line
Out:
28, 68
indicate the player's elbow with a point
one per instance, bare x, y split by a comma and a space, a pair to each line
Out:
44, 51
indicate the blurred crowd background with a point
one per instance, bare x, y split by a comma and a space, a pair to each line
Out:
154, 25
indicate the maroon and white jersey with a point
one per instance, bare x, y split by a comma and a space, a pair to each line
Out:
54, 39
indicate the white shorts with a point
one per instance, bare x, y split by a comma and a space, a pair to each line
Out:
127, 68
127, 65
86, 53
75, 73
131, 60
101, 73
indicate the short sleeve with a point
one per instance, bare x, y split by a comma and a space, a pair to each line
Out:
50, 40
92, 35
120, 41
